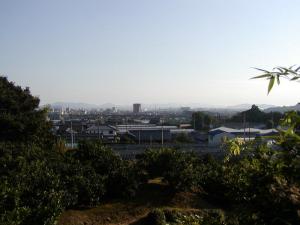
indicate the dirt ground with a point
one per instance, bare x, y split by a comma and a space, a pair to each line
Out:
120, 212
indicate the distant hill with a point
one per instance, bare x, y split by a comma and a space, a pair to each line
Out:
107, 106
75, 105
248, 106
283, 109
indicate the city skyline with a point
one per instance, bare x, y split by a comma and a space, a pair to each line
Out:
151, 52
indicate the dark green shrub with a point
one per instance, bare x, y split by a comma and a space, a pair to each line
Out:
156, 217
31, 194
84, 186
179, 169
12, 210
122, 178
21, 120
125, 181
171, 215
258, 184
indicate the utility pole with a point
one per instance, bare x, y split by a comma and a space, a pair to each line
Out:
139, 137
162, 133
244, 123
272, 120
72, 139
99, 128
194, 119
249, 131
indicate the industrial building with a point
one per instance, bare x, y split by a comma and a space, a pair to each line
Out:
217, 135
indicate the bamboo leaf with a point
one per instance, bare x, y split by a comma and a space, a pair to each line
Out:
292, 71
271, 84
285, 71
261, 76
295, 78
266, 71
291, 67
280, 69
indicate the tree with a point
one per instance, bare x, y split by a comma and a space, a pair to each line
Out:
21, 120
255, 115
252, 115
201, 120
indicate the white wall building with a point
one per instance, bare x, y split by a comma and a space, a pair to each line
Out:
102, 130
217, 135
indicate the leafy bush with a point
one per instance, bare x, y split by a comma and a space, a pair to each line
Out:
179, 169
172, 215
122, 178
84, 186
178, 217
31, 191
261, 182
156, 217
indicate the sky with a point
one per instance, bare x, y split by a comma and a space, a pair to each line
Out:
150, 51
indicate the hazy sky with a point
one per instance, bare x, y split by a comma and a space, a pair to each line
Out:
150, 51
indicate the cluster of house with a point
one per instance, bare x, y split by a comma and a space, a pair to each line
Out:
216, 136
72, 131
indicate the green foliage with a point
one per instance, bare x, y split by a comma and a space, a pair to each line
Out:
255, 115
261, 183
233, 147
179, 169
37, 185
255, 180
177, 217
12, 211
31, 191
20, 118
156, 217
83, 185
122, 177
291, 73
202, 121
39, 178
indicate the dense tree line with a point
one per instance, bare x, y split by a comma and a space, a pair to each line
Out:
255, 115
204, 121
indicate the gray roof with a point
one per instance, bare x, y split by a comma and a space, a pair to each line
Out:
141, 127
241, 131
101, 127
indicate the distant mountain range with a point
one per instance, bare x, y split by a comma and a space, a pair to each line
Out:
78, 105
283, 109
